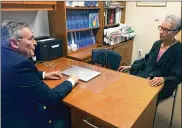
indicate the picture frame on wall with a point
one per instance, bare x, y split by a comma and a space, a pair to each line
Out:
151, 4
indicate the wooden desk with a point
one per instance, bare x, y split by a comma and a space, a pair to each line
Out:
111, 100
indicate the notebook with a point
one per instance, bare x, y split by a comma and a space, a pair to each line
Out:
83, 74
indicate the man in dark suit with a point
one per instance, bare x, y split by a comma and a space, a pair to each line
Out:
27, 102
162, 65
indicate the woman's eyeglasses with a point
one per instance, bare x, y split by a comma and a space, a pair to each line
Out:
166, 30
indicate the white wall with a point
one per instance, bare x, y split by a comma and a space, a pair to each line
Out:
38, 20
142, 20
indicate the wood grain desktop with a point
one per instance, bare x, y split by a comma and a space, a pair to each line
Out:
111, 100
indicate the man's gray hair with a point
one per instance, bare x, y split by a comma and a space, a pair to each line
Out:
174, 20
11, 29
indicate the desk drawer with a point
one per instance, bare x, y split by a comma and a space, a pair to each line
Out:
83, 120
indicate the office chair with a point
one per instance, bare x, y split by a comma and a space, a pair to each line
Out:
106, 58
165, 94
131, 71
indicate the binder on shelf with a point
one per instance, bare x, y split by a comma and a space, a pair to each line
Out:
93, 20
69, 39
112, 16
97, 19
91, 3
93, 37
72, 38
117, 16
111, 19
90, 20
105, 17
82, 19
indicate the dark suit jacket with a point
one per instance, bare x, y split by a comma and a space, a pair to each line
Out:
169, 66
22, 90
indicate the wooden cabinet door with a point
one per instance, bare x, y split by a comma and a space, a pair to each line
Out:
128, 52
10, 5
125, 50
121, 50
11, 2
27, 5
40, 2
129, 48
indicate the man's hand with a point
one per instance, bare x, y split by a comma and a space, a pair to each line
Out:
156, 81
122, 68
74, 77
55, 75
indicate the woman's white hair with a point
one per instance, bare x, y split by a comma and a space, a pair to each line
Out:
174, 20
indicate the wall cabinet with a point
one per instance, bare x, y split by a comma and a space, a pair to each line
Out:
27, 5
58, 24
11, 2
40, 2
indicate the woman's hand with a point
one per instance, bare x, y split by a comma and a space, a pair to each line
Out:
156, 81
122, 68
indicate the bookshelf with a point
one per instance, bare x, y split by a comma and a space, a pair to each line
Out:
82, 29
121, 7
111, 25
112, 15
81, 8
59, 28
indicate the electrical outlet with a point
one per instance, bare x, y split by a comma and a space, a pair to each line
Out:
139, 53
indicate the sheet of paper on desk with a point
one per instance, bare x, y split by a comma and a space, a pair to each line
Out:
82, 73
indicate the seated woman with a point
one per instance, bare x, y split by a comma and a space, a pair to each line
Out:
162, 65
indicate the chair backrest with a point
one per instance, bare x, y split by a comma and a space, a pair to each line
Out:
106, 58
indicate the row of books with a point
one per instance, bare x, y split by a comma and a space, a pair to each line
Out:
82, 38
112, 4
82, 19
113, 16
81, 3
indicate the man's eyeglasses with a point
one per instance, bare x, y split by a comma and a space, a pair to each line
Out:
166, 30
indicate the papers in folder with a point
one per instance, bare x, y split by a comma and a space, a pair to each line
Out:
82, 73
